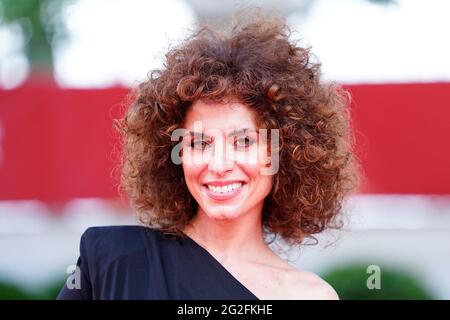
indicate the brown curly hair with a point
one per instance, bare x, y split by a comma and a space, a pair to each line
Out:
256, 62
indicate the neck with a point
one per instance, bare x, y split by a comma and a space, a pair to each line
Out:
240, 237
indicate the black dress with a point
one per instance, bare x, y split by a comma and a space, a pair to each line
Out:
136, 262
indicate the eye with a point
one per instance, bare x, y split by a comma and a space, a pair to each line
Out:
244, 142
199, 144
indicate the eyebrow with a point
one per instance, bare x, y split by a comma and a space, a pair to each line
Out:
232, 133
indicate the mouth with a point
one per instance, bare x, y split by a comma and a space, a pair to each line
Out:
224, 192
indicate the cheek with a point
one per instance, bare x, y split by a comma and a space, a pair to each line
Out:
253, 170
192, 170
261, 185
255, 160
189, 170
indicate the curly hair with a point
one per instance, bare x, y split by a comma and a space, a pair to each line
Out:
256, 62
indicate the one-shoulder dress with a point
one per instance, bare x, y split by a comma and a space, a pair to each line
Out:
140, 263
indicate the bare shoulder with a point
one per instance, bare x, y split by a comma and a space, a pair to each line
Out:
309, 286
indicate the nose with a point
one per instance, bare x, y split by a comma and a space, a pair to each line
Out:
221, 162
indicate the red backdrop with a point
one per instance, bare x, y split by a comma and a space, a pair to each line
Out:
57, 144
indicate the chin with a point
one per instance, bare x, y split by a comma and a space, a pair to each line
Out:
221, 214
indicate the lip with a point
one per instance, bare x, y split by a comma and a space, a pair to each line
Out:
223, 183
225, 196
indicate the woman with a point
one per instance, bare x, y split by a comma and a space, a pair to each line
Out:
235, 139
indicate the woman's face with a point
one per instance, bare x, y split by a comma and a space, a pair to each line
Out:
222, 159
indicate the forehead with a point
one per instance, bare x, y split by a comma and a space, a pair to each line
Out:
222, 116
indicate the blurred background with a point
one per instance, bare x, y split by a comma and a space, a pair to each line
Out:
66, 67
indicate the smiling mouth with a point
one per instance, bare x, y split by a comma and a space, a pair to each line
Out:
224, 192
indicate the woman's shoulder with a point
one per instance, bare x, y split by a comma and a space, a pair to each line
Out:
104, 246
113, 234
122, 234
111, 242
115, 230
293, 283
310, 286
103, 251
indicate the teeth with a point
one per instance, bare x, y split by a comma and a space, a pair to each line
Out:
225, 189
